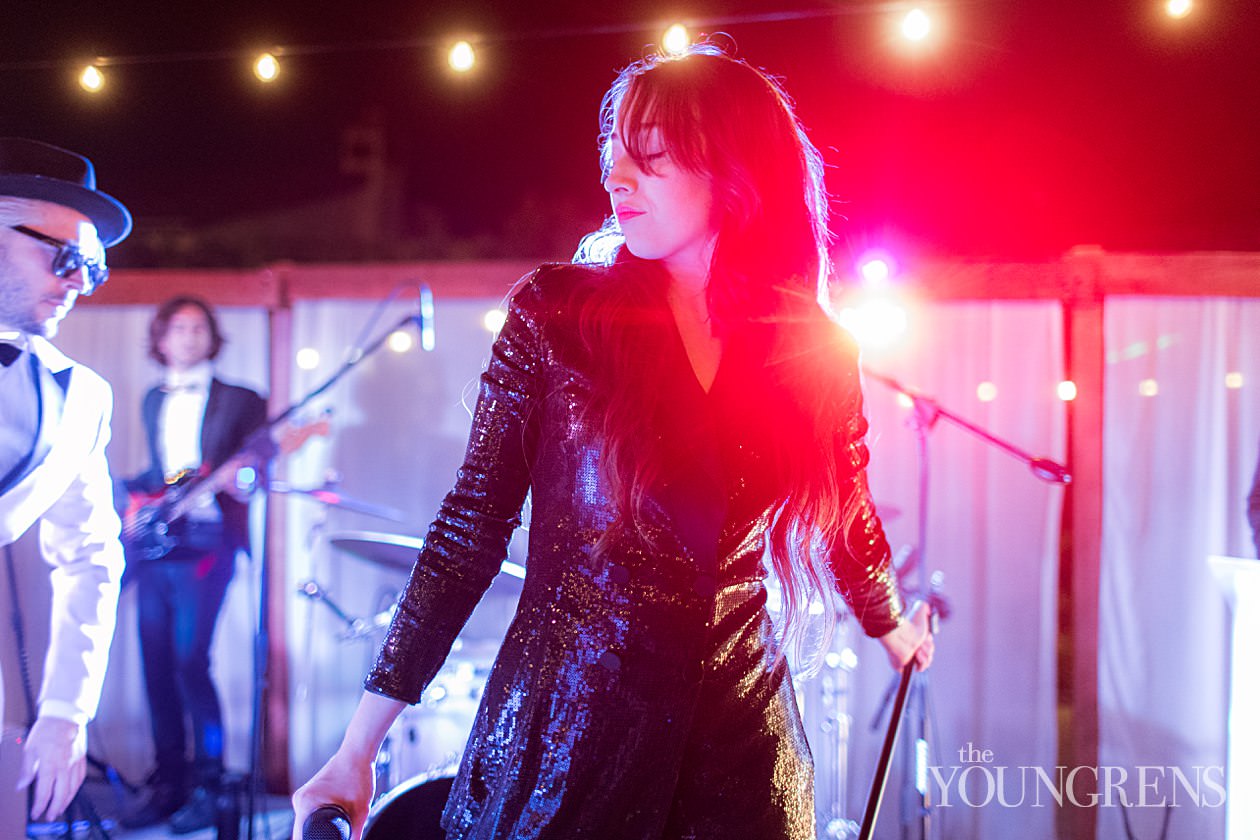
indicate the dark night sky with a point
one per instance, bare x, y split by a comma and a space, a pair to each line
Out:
1034, 126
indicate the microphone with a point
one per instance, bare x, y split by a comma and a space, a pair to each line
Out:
424, 318
327, 822
1048, 470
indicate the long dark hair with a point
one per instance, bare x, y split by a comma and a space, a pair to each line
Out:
725, 119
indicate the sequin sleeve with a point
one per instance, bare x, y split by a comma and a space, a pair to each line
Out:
863, 568
467, 542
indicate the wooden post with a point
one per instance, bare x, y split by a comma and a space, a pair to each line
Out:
1081, 546
275, 758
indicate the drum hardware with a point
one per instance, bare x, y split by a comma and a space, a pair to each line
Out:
328, 494
356, 628
413, 809
396, 552
432, 733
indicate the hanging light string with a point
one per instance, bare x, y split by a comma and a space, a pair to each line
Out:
432, 42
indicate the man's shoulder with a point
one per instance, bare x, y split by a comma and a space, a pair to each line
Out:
234, 390
58, 362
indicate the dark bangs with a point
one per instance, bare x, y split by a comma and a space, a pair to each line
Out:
667, 100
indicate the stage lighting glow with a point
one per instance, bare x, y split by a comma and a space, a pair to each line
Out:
1233, 380
986, 392
266, 67
676, 39
92, 79
307, 358
1066, 390
875, 271
1148, 387
916, 25
400, 341
876, 322
461, 57
494, 320
1178, 8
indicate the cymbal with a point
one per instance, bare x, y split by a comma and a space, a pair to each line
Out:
329, 495
394, 551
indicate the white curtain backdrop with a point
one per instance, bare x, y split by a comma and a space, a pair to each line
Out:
1181, 448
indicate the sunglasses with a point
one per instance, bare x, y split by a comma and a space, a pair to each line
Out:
70, 258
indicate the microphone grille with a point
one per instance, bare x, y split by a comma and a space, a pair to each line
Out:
328, 822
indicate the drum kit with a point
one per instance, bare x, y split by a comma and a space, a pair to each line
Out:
418, 758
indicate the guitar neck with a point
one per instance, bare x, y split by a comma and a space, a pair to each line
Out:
197, 493
224, 476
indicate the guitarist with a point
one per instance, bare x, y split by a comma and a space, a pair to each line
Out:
193, 422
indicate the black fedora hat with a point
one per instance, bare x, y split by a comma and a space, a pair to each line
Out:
30, 169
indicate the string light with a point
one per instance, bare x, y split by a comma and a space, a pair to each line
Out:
92, 79
307, 358
1178, 8
400, 341
916, 25
676, 39
1066, 390
986, 392
266, 67
494, 320
1233, 380
1148, 388
461, 57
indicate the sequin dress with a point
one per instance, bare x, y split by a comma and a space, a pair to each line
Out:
636, 694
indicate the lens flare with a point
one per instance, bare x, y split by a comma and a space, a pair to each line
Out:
876, 322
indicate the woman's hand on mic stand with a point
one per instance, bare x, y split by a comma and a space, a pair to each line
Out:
911, 639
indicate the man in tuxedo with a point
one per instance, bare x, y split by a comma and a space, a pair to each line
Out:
194, 423
54, 425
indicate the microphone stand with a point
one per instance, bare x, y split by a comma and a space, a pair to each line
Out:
260, 443
916, 800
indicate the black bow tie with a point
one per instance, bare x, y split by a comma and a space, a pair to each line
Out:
9, 353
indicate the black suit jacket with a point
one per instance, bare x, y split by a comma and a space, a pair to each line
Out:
232, 414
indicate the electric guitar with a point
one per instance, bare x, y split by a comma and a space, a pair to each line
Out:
147, 521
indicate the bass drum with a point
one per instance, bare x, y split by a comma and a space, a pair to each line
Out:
413, 810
